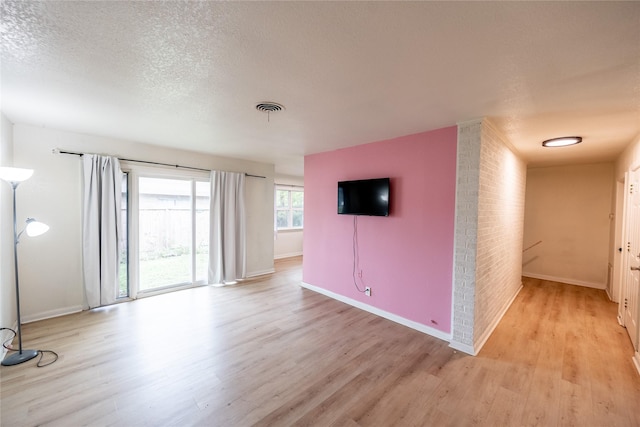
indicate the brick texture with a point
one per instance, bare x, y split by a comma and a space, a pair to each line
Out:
466, 229
490, 192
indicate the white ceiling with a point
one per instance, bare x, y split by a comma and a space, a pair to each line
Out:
189, 74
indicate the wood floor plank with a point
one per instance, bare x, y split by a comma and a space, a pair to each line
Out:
270, 353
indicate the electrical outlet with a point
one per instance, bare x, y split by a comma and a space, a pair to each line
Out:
367, 291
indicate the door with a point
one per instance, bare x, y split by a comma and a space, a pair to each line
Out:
173, 232
632, 263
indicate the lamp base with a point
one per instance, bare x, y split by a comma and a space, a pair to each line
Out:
19, 357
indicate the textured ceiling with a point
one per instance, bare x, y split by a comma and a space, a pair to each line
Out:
189, 74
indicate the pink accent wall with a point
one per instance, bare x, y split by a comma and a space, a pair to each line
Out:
406, 258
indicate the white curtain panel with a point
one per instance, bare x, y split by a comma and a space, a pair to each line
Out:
227, 235
101, 228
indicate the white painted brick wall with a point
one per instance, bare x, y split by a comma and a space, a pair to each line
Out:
488, 235
464, 275
500, 229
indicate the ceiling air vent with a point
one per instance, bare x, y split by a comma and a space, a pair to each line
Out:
269, 107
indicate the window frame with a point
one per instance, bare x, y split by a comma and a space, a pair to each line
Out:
290, 209
136, 172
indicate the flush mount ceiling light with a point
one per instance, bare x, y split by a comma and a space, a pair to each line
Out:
269, 107
562, 142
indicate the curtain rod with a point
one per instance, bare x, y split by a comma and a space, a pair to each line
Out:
58, 151
288, 185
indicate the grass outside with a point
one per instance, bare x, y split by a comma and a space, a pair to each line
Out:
167, 271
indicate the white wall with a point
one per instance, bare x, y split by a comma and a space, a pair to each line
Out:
568, 207
501, 200
288, 243
51, 269
7, 288
629, 159
490, 193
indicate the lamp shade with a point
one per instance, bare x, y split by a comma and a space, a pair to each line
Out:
10, 174
35, 228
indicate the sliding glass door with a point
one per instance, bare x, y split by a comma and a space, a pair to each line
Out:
173, 232
123, 240
201, 231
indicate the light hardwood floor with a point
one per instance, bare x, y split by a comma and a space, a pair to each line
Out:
270, 353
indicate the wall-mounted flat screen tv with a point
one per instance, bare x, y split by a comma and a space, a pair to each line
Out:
364, 197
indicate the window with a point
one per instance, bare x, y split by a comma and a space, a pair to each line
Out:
289, 207
173, 232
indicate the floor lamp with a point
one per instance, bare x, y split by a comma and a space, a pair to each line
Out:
14, 176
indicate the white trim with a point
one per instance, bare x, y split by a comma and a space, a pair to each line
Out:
456, 231
636, 361
485, 336
248, 276
136, 172
609, 287
568, 281
378, 312
465, 348
629, 179
475, 349
163, 290
291, 230
261, 272
609, 296
623, 262
289, 187
286, 229
616, 284
288, 255
51, 314
290, 209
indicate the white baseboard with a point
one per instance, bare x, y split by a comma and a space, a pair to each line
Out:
566, 280
487, 333
51, 313
378, 312
465, 348
261, 272
609, 295
474, 349
636, 361
287, 255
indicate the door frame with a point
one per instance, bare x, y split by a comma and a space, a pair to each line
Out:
622, 285
135, 173
625, 264
618, 238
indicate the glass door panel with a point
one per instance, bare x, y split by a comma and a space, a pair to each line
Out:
123, 241
165, 232
202, 230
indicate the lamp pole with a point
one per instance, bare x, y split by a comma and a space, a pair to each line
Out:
21, 355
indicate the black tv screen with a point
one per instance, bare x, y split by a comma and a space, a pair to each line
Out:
364, 197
